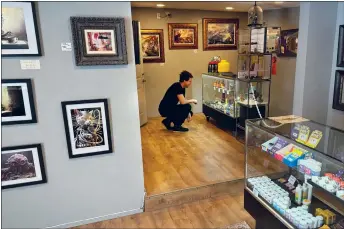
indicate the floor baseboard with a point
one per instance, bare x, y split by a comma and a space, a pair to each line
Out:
97, 219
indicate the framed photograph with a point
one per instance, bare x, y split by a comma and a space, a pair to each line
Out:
152, 44
22, 166
289, 43
87, 127
99, 41
340, 55
338, 96
19, 31
182, 36
220, 34
17, 105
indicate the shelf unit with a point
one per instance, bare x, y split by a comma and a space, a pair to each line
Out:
261, 163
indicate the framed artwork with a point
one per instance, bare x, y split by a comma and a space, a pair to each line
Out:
182, 36
258, 40
338, 96
273, 36
87, 127
340, 55
17, 105
220, 34
22, 166
19, 31
137, 46
289, 43
152, 44
99, 41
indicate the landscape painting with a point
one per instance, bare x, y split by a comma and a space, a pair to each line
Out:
182, 36
152, 44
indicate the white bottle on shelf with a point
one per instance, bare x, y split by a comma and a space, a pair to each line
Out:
304, 191
310, 192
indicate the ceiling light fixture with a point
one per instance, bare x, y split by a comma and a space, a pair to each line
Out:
278, 2
160, 5
229, 8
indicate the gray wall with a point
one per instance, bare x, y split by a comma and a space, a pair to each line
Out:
84, 188
315, 64
335, 117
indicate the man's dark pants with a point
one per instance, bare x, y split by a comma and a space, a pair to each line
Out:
176, 114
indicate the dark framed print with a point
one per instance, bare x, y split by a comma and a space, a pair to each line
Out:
340, 55
22, 166
338, 95
289, 43
183, 36
19, 30
220, 34
152, 44
87, 127
17, 104
99, 41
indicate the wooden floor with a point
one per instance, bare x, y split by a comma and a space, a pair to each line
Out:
204, 155
210, 213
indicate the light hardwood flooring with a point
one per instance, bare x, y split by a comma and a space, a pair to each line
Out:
210, 213
204, 155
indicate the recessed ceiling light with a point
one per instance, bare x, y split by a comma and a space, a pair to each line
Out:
279, 2
160, 5
229, 8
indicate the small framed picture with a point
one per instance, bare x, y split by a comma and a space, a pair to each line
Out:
152, 44
22, 166
289, 43
99, 41
17, 104
220, 34
340, 55
338, 96
19, 31
183, 36
87, 127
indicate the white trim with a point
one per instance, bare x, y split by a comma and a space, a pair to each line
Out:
98, 218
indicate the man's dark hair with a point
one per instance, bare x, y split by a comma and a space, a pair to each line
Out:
185, 76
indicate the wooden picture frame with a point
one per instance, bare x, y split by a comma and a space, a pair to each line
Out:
340, 53
19, 31
288, 43
31, 167
87, 126
152, 45
338, 94
17, 105
223, 40
99, 41
183, 35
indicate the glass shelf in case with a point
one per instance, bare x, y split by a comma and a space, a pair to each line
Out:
280, 147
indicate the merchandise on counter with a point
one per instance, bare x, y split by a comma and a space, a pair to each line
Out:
309, 167
278, 146
280, 154
310, 193
303, 134
295, 155
331, 183
298, 194
304, 192
267, 146
327, 216
223, 66
325, 227
314, 139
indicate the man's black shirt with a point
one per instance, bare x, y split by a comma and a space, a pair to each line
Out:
170, 99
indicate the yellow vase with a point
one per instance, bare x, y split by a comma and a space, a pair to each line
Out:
223, 66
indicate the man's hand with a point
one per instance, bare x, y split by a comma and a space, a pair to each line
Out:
194, 101
189, 118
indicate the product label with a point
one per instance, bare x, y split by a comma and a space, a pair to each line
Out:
292, 179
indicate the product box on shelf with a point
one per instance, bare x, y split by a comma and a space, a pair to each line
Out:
280, 144
295, 154
280, 154
267, 146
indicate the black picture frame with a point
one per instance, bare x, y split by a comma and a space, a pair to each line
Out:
113, 25
40, 164
338, 94
137, 45
284, 49
38, 51
340, 53
106, 136
30, 97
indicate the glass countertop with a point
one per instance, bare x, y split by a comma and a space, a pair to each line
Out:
330, 144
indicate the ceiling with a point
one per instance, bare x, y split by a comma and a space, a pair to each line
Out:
217, 6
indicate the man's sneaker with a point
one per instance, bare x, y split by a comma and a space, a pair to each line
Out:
180, 129
167, 124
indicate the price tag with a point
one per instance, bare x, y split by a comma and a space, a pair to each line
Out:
255, 192
266, 163
292, 179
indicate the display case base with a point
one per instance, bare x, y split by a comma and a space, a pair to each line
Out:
221, 119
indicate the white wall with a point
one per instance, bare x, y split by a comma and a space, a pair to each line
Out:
335, 117
83, 188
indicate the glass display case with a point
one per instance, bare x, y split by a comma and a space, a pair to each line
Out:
294, 173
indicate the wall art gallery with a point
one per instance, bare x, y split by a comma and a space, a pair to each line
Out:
182, 36
99, 41
152, 44
19, 30
87, 127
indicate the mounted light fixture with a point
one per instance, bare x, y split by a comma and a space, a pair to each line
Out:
160, 5
229, 8
255, 16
